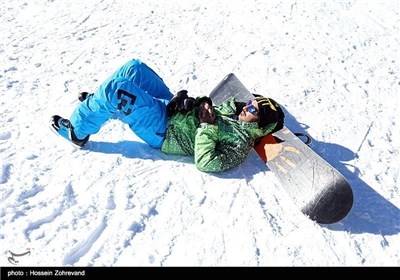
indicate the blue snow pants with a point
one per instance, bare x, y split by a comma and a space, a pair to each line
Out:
139, 95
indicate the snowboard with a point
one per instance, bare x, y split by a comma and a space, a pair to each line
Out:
319, 190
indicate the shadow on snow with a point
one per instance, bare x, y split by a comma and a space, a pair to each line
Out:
371, 212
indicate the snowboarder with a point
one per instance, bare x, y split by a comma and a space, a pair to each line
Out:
219, 137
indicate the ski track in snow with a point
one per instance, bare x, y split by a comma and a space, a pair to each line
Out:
118, 202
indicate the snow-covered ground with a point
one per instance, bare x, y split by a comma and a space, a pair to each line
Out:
334, 67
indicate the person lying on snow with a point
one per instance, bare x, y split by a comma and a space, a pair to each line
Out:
219, 137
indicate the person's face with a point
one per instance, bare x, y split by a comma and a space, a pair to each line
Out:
249, 112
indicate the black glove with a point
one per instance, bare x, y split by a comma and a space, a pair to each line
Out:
180, 103
186, 105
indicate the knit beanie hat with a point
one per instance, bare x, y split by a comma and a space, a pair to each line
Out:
269, 111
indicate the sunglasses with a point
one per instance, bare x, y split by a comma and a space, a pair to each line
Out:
251, 109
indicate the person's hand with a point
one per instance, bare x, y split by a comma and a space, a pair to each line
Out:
174, 104
206, 113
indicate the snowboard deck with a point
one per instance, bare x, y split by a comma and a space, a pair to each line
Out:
319, 190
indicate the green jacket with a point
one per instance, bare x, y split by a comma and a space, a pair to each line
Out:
216, 147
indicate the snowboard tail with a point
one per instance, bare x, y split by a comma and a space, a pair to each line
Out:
317, 188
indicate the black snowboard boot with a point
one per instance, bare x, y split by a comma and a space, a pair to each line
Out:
83, 95
64, 128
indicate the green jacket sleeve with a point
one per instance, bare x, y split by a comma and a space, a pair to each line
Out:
206, 156
217, 149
